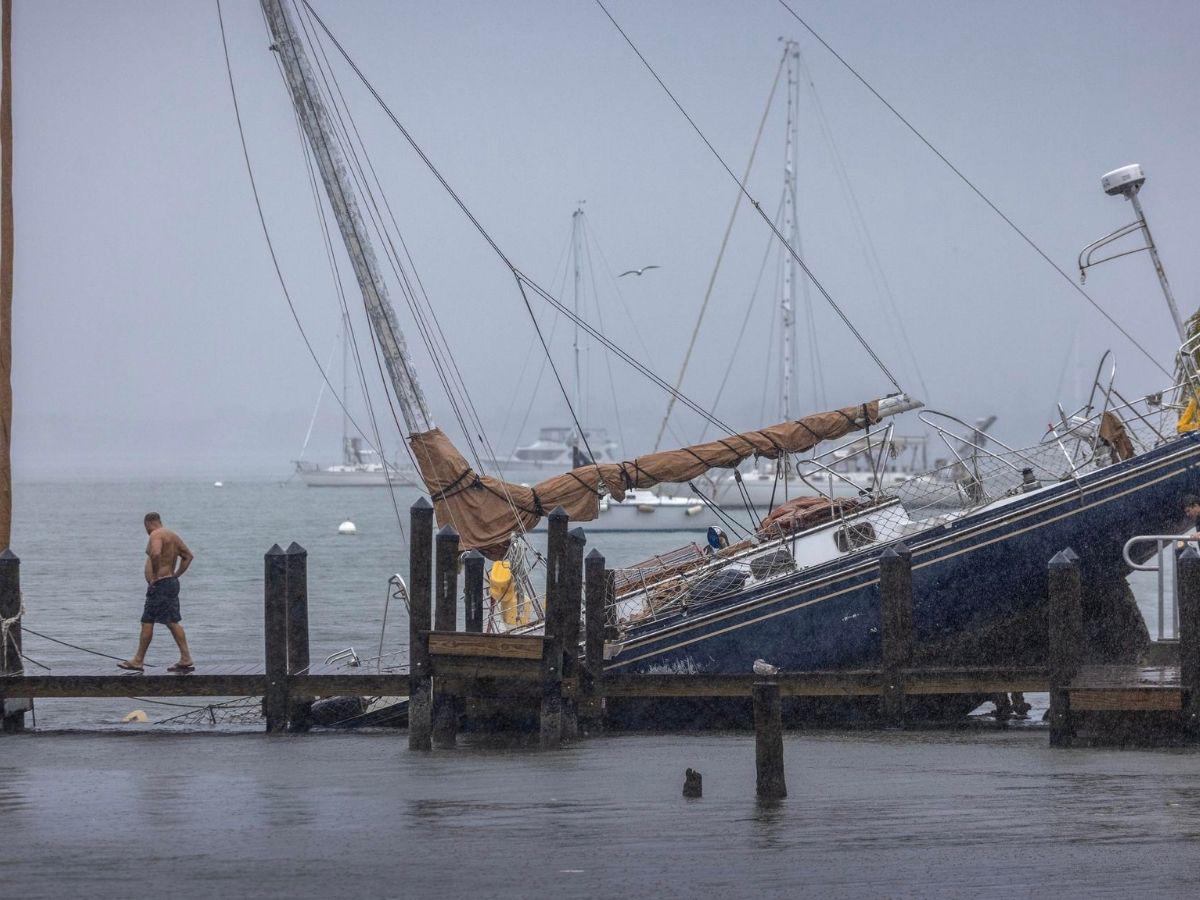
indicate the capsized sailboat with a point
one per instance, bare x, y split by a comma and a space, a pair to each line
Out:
803, 592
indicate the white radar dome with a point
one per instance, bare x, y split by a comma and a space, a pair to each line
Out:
1125, 180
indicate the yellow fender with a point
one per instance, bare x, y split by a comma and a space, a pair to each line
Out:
503, 592
1190, 420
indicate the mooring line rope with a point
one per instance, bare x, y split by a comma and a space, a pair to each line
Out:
25, 629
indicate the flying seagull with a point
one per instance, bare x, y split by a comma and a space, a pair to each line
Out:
637, 271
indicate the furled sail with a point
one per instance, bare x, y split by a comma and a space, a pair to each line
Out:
486, 511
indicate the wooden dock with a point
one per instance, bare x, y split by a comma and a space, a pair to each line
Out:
557, 680
205, 681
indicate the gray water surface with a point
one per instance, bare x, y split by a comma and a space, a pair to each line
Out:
91, 807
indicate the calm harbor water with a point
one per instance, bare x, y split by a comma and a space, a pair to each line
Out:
92, 806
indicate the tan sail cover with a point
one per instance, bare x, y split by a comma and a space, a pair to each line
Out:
485, 510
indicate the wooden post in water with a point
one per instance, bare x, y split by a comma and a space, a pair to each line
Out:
473, 590
557, 552
572, 611
1187, 570
420, 600
445, 618
12, 709
275, 702
591, 704
1065, 643
768, 740
299, 708
896, 621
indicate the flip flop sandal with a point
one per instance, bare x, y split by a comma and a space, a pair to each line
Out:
129, 667
181, 669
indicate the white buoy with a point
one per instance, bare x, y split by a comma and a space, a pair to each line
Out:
218, 484
347, 527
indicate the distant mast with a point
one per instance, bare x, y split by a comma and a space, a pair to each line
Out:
314, 118
6, 275
576, 220
787, 305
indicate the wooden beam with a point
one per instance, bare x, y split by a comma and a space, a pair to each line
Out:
1127, 700
124, 685
502, 646
850, 683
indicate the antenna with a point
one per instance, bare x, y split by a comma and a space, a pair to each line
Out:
1126, 182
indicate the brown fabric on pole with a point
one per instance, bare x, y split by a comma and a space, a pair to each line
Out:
1114, 436
481, 508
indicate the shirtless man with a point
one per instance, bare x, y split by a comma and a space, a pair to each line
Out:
167, 558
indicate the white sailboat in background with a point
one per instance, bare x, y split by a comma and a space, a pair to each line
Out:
361, 465
564, 445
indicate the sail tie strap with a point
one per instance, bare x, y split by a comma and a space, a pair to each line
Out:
450, 490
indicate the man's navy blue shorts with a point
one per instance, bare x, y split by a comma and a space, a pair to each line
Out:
162, 601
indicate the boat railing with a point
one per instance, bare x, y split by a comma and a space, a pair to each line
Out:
1162, 562
864, 448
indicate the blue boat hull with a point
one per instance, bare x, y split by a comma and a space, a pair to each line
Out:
979, 585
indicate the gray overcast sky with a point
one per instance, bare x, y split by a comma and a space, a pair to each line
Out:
151, 335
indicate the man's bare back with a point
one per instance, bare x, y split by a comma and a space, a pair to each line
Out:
164, 550
167, 557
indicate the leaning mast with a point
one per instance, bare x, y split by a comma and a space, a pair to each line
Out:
331, 163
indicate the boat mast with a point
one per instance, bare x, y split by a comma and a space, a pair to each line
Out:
787, 299
346, 455
6, 277
315, 120
576, 219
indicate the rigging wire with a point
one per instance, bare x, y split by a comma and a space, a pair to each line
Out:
612, 385
267, 236
616, 289
516, 392
733, 354
522, 279
439, 350
977, 191
757, 206
712, 278
347, 323
874, 266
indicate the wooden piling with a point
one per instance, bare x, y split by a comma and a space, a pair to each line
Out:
557, 553
572, 612
768, 741
420, 599
1187, 570
1065, 643
896, 621
473, 590
275, 699
299, 708
445, 618
591, 709
12, 709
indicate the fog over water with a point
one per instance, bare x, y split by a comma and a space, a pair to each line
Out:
151, 337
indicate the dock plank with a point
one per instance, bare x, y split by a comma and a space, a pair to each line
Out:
504, 646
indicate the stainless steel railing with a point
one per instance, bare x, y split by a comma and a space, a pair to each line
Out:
1162, 562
